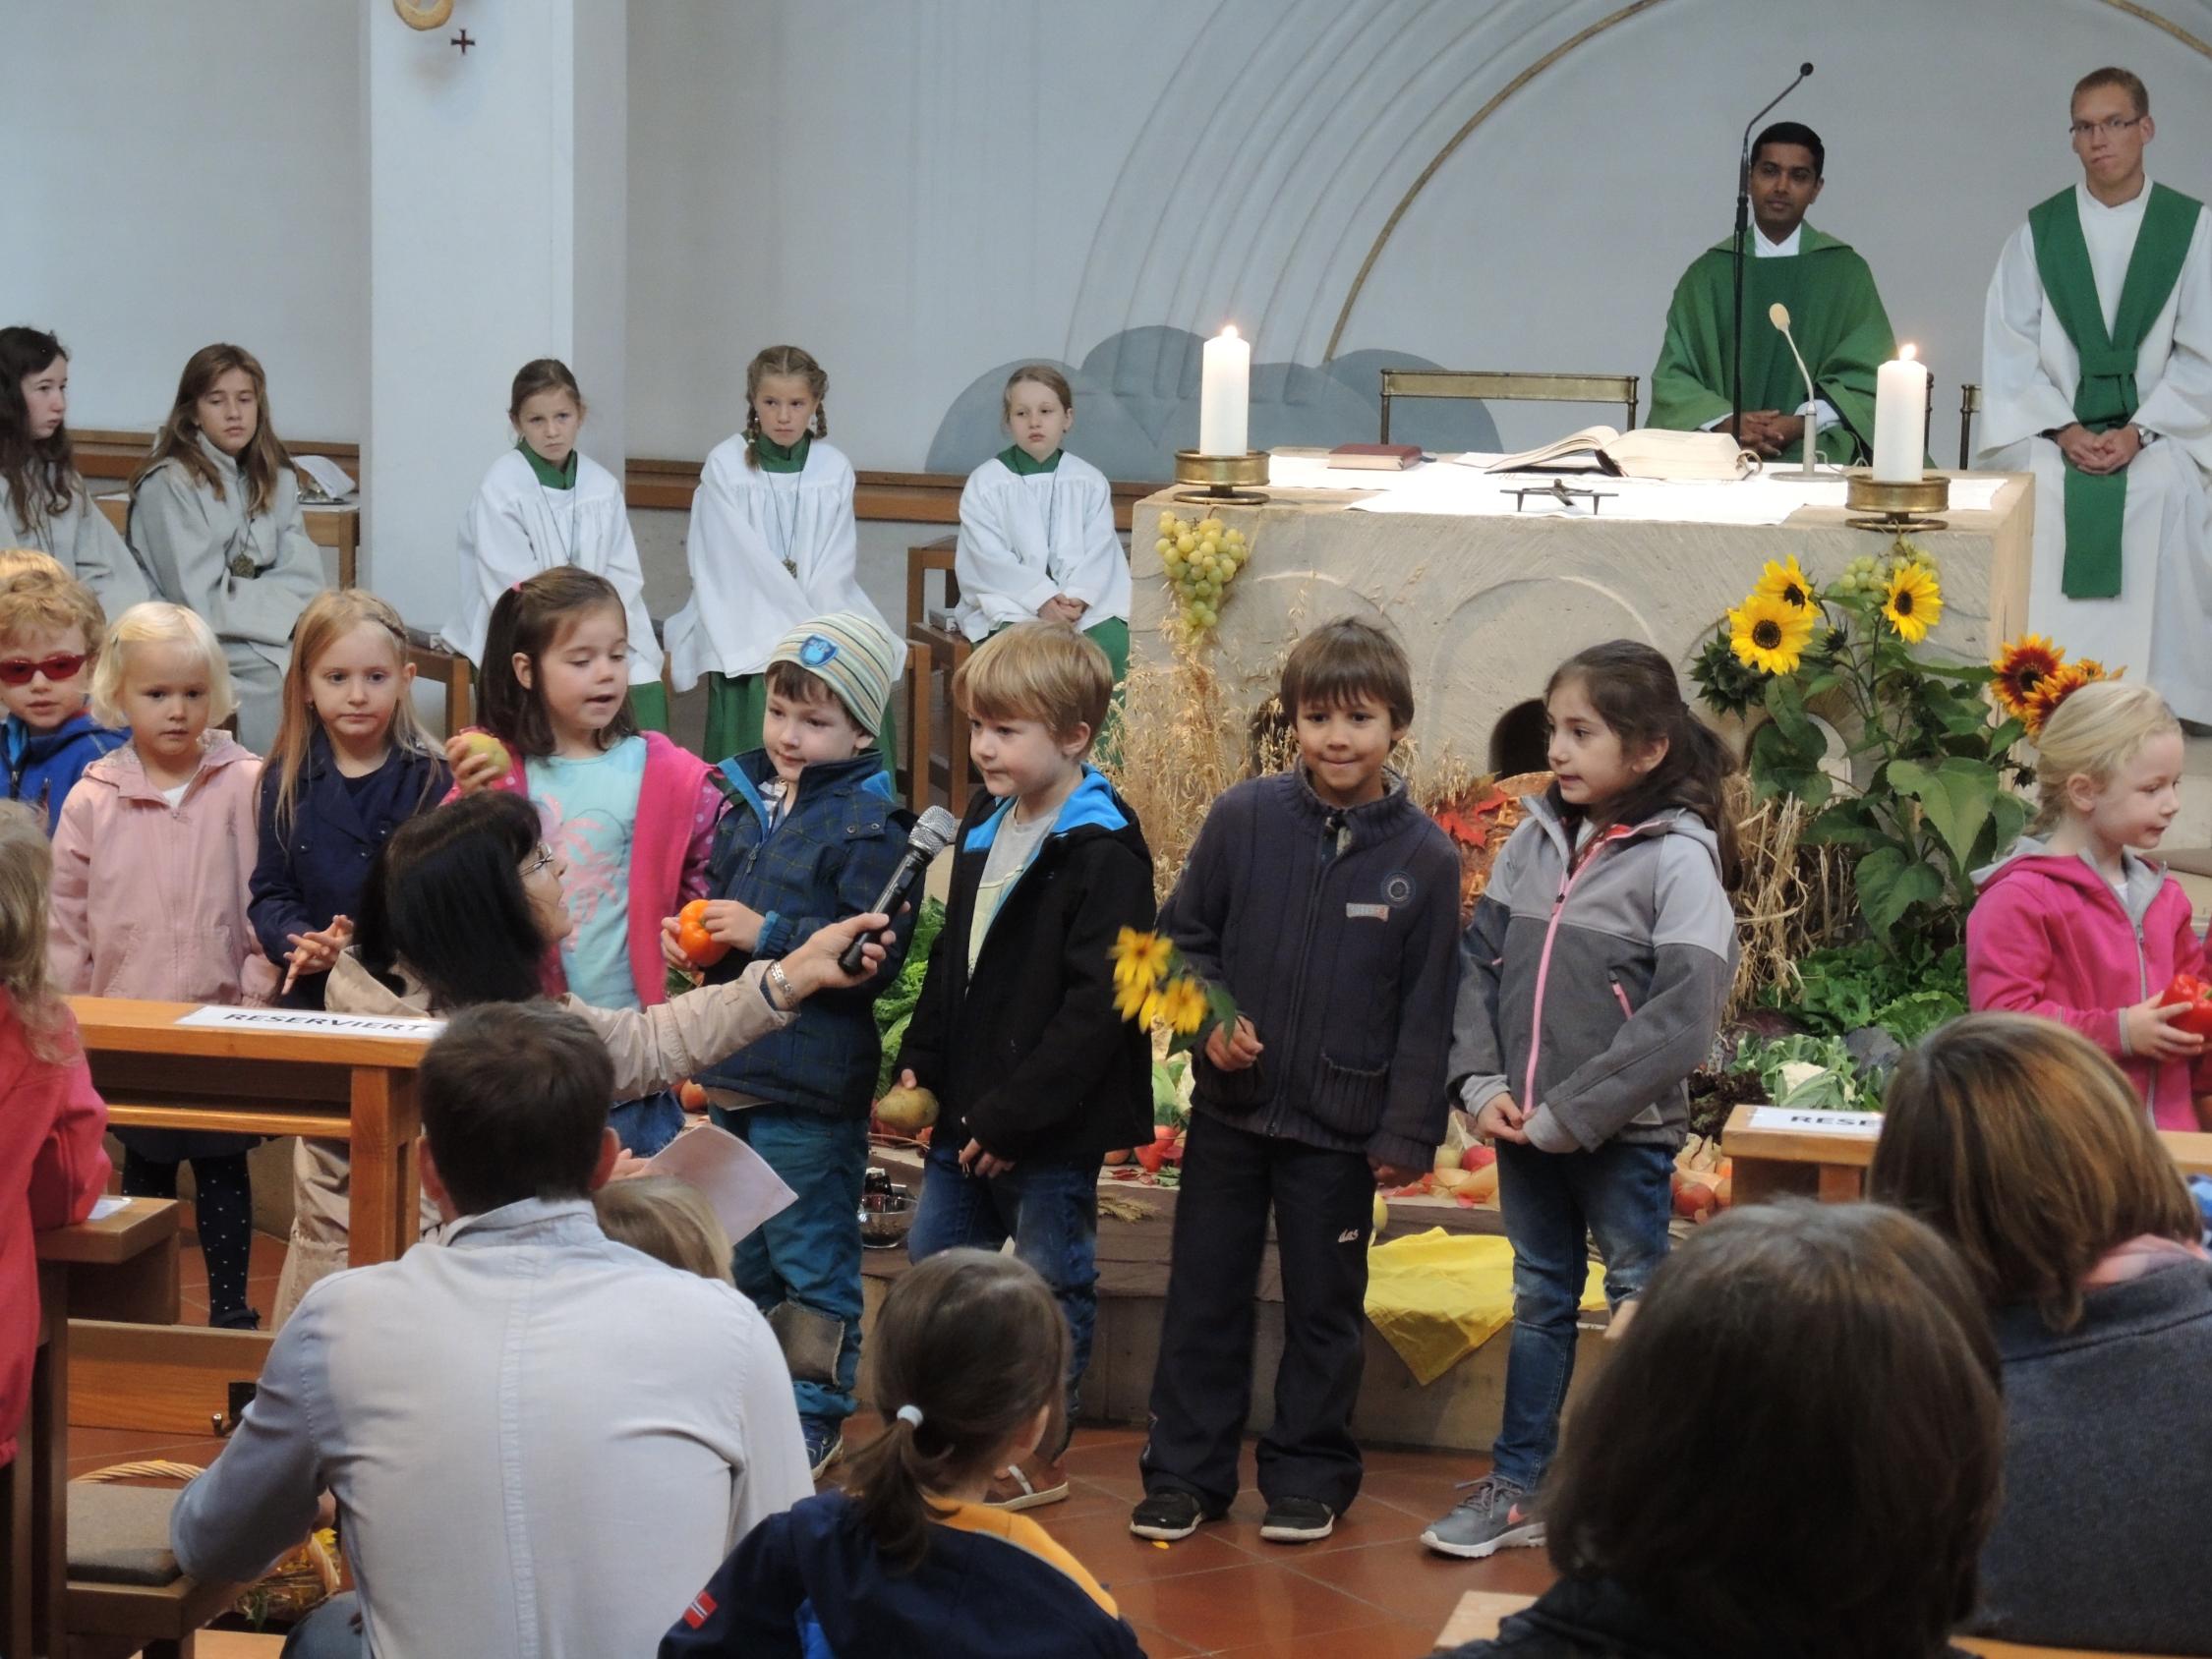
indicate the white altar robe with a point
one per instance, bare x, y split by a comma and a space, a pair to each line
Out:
2160, 625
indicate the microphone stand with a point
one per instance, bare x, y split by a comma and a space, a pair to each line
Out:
1743, 245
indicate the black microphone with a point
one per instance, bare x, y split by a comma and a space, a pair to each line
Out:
1743, 228
932, 834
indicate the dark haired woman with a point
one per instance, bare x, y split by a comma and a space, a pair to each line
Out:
43, 502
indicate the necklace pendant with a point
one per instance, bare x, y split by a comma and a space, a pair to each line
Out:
791, 565
242, 566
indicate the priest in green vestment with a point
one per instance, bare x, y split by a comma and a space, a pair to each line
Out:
1834, 313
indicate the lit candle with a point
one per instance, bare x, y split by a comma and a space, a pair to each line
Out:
1224, 394
1900, 419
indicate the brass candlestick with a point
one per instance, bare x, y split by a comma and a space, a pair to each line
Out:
1893, 509
1227, 480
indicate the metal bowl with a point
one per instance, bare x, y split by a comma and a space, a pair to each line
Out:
885, 1219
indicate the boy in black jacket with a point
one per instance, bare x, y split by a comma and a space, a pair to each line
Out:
1036, 1074
1327, 903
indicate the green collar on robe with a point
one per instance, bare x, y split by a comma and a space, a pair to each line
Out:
563, 476
775, 458
1834, 312
1019, 463
2104, 396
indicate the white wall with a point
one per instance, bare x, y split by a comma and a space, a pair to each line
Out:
181, 174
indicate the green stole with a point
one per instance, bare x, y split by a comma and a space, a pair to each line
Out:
1020, 463
2105, 398
773, 457
563, 476
1834, 310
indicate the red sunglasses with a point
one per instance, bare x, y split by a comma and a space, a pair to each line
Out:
19, 671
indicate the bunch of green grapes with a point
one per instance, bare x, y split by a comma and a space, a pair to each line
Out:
1869, 577
1202, 557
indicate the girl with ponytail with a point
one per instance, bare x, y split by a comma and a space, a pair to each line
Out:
966, 1366
1595, 969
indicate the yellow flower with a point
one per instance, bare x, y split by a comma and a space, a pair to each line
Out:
1155, 1010
1769, 632
2021, 667
1184, 1004
1140, 958
1915, 601
1788, 583
1128, 999
2058, 685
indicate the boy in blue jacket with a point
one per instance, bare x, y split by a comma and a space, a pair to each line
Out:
50, 630
811, 835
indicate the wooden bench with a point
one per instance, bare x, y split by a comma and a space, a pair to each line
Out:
940, 650
337, 528
1480, 1613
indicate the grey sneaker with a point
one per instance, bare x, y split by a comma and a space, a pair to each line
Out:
1495, 1516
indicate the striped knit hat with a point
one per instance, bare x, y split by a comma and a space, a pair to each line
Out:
854, 655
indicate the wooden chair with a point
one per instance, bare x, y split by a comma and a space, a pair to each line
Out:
1969, 405
912, 767
1503, 386
433, 661
126, 1594
942, 650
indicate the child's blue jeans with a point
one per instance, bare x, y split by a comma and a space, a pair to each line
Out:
1553, 1204
1048, 1207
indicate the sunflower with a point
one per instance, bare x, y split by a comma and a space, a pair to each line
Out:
2021, 667
1183, 1004
1914, 602
1139, 959
1788, 583
1769, 632
2058, 685
1128, 999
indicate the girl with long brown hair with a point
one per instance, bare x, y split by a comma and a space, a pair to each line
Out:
43, 502
215, 520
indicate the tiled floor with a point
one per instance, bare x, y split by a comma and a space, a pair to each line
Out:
261, 1270
1370, 1591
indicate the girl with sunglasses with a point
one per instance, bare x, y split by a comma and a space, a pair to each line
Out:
50, 629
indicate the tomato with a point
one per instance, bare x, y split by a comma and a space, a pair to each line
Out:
692, 937
2187, 990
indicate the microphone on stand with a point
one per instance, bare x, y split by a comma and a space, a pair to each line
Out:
1779, 314
1742, 247
931, 835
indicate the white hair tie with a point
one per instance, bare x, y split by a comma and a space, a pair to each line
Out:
910, 1415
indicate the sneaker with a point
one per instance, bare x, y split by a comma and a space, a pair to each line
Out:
1034, 1481
1167, 1515
1495, 1516
825, 1444
1297, 1520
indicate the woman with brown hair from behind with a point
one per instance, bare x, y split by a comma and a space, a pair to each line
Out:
1793, 1452
2020, 1142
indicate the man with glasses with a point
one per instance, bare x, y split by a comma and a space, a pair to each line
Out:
1834, 312
2097, 377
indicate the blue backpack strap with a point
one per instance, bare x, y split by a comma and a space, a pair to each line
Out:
735, 786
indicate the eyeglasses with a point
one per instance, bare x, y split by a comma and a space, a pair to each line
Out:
19, 671
544, 858
2112, 126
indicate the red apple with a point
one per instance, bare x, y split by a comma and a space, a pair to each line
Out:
1478, 1158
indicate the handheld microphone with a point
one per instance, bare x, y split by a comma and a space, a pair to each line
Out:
932, 834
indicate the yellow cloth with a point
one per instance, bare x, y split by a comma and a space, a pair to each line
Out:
1437, 1296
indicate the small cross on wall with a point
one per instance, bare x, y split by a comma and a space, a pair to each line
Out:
461, 41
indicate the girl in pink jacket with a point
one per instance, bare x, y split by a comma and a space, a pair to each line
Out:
152, 858
2078, 926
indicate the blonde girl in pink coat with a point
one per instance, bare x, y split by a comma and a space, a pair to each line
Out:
152, 858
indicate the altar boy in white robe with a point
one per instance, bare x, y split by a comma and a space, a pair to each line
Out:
2097, 377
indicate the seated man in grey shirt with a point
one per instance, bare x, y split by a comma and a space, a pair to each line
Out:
539, 1441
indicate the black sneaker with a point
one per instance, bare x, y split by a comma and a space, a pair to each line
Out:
1297, 1520
825, 1444
1167, 1515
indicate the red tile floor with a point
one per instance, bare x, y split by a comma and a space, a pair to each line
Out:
1370, 1591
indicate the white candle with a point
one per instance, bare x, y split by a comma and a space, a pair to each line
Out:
1900, 419
1224, 394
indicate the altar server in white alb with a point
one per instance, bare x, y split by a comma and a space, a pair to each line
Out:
215, 522
1037, 527
772, 543
2097, 377
546, 503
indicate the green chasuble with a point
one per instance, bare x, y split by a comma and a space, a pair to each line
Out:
2104, 397
1834, 310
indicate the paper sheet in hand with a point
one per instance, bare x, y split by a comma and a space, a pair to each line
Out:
737, 1181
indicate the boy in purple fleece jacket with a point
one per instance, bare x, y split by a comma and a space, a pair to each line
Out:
1327, 903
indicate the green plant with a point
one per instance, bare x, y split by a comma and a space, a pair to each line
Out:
1908, 989
1808, 1073
1937, 799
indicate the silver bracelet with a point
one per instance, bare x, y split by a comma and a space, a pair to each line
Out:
782, 983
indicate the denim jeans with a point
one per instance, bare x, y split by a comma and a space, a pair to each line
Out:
648, 1123
808, 1254
1048, 1207
331, 1632
1553, 1204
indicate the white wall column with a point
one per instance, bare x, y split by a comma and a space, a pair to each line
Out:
498, 232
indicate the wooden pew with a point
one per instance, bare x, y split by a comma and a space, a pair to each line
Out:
337, 528
1827, 1158
1480, 1611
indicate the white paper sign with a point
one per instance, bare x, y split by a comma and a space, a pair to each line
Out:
313, 1022
106, 1206
736, 1180
1860, 1126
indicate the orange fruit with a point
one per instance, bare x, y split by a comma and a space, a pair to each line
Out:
692, 937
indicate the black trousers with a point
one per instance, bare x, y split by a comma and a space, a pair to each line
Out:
1323, 1205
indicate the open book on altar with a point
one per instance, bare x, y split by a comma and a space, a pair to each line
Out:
1648, 452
